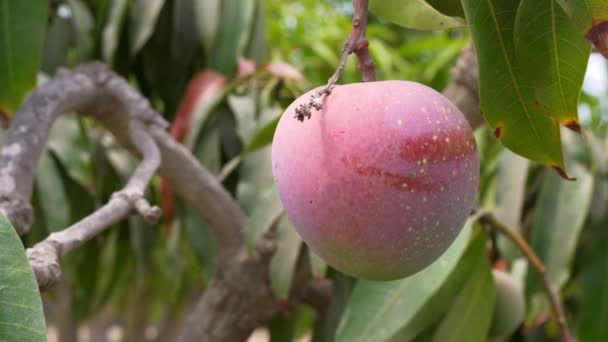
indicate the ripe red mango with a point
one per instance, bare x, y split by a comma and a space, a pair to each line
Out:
380, 181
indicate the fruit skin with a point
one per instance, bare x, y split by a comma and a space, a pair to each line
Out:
510, 306
380, 181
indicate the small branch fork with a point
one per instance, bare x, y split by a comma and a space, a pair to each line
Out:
356, 43
488, 219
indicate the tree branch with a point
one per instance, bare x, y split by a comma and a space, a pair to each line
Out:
463, 89
44, 257
488, 219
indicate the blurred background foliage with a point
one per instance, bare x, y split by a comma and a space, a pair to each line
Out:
222, 72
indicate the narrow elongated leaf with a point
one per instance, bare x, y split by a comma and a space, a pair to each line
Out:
554, 55
449, 7
262, 138
111, 32
317, 265
594, 274
416, 14
471, 314
445, 296
377, 310
207, 20
53, 196
204, 90
22, 27
21, 315
594, 306
561, 212
264, 213
585, 13
283, 262
233, 31
143, 20
326, 326
506, 96
510, 191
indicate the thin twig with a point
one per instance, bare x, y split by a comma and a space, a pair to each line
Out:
356, 43
45, 256
487, 218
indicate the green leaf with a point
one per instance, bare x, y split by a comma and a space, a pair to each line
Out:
112, 30
207, 20
561, 212
377, 310
510, 190
52, 193
283, 262
201, 240
232, 35
585, 13
262, 137
506, 96
443, 299
326, 325
416, 14
318, 266
21, 315
83, 22
142, 23
470, 316
450, 7
265, 211
553, 55
22, 27
57, 43
594, 305
255, 177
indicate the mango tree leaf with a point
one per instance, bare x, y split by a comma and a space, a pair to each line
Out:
377, 310
265, 212
561, 212
257, 47
203, 93
594, 274
416, 14
22, 27
207, 20
283, 262
470, 316
262, 137
584, 13
21, 315
449, 7
111, 32
83, 22
326, 325
443, 299
510, 190
52, 194
57, 43
318, 266
594, 305
232, 34
554, 55
142, 23
506, 96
